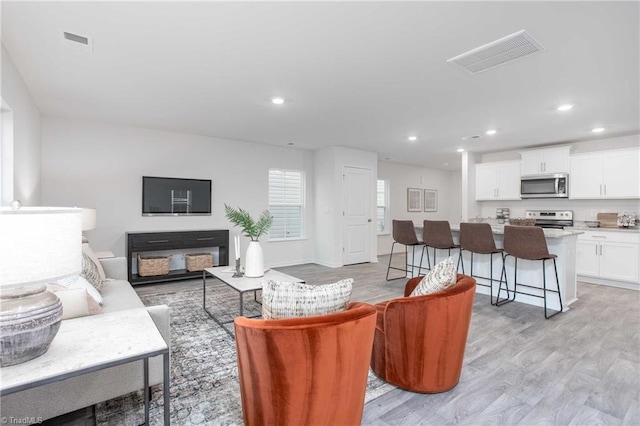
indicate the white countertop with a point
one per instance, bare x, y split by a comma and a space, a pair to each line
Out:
549, 233
632, 230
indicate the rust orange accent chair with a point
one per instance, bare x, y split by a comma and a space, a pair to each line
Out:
420, 341
305, 371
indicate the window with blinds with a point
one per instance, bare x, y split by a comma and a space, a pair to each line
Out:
382, 206
286, 203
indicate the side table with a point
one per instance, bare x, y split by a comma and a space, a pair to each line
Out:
93, 343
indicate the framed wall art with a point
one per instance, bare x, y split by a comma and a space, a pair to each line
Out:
414, 200
430, 200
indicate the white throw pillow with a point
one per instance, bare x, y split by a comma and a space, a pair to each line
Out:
288, 300
92, 269
76, 302
441, 277
77, 281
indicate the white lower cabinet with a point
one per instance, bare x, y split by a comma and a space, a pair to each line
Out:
610, 255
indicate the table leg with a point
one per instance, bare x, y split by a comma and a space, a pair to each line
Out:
241, 303
146, 391
165, 388
204, 305
204, 290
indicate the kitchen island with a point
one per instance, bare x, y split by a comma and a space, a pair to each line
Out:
561, 243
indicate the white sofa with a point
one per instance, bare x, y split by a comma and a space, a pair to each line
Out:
69, 395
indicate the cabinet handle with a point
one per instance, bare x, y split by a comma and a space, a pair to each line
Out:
596, 249
157, 241
204, 239
598, 236
600, 249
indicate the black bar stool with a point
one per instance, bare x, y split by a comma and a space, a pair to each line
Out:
529, 243
404, 232
437, 235
478, 238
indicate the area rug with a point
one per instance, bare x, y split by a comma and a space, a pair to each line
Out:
204, 376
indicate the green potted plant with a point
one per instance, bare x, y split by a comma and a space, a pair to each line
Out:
250, 227
254, 258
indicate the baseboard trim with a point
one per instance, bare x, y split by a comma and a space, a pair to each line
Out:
294, 263
610, 283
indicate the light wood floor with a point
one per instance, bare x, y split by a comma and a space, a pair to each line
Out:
581, 367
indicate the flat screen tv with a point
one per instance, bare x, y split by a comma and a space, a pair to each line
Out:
162, 196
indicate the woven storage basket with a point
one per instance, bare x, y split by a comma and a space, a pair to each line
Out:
149, 266
517, 221
198, 261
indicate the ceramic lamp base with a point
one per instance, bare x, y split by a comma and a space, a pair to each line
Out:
29, 320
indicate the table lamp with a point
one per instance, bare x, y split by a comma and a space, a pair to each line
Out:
37, 245
88, 219
88, 222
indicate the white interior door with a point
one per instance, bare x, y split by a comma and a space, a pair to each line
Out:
357, 215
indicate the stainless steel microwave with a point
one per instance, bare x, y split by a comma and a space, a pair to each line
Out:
545, 186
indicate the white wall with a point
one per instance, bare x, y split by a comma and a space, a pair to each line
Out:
6, 155
401, 177
329, 163
99, 165
469, 206
327, 208
583, 209
27, 135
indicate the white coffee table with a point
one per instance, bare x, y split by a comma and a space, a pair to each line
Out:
241, 285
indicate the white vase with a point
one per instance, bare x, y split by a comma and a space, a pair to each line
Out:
254, 260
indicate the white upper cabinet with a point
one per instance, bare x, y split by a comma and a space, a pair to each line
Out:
545, 161
605, 174
498, 181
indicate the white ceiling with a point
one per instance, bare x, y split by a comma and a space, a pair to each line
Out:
362, 74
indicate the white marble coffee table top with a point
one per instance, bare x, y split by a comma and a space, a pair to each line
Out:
88, 344
242, 284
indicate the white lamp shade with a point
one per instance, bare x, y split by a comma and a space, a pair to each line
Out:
88, 219
39, 244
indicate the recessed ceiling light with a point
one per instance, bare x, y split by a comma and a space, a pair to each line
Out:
491, 132
277, 101
445, 164
460, 149
413, 138
598, 130
565, 107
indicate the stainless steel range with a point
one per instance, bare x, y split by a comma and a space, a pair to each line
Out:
557, 219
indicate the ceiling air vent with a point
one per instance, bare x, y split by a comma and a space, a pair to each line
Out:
499, 52
78, 42
470, 138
